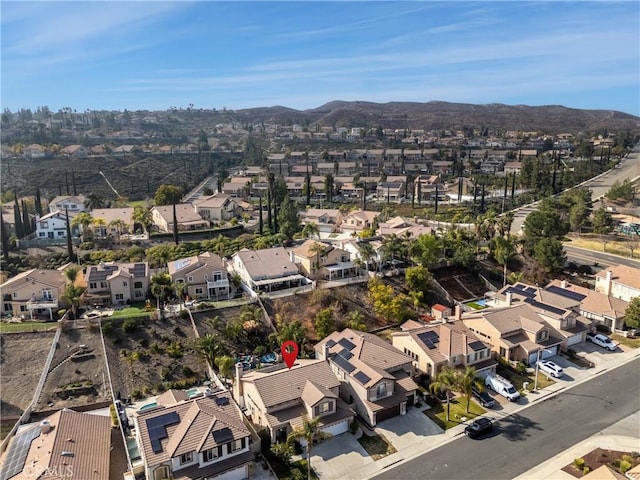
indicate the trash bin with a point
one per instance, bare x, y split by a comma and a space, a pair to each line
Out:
525, 385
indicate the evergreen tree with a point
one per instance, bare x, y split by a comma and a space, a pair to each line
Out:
26, 224
176, 239
269, 216
260, 221
73, 181
69, 240
5, 241
17, 217
288, 218
38, 202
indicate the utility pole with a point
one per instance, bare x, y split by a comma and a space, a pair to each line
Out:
535, 384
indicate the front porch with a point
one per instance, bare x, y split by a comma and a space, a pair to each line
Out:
40, 305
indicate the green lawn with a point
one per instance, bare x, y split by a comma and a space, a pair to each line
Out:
457, 411
627, 342
27, 327
376, 445
518, 380
136, 310
475, 305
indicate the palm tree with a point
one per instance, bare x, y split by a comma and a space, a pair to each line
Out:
72, 292
100, 223
119, 224
311, 230
391, 247
504, 249
142, 216
309, 432
225, 363
83, 219
367, 253
208, 347
466, 381
445, 382
318, 250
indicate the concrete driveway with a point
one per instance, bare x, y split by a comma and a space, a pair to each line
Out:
338, 456
595, 353
407, 430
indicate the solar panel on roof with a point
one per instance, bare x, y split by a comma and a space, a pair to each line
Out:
361, 377
477, 345
17, 453
346, 344
544, 306
222, 401
157, 429
563, 292
346, 354
344, 364
223, 435
429, 338
330, 343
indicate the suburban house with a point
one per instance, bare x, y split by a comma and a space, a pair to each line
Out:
279, 398
450, 344
391, 191
117, 283
35, 291
375, 376
53, 226
71, 203
267, 269
327, 220
401, 227
559, 309
619, 281
216, 208
517, 333
116, 220
358, 221
321, 260
204, 276
185, 438
187, 218
66, 444
75, 151
595, 306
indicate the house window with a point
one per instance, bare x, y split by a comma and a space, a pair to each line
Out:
47, 295
325, 407
235, 446
23, 308
104, 284
381, 390
217, 276
138, 294
125, 284
41, 234
189, 279
15, 294
503, 352
7, 307
119, 296
62, 233
544, 335
137, 285
186, 458
210, 455
198, 291
93, 285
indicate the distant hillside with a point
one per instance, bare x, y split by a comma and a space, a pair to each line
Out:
444, 115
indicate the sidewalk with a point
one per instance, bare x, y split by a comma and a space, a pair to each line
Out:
344, 458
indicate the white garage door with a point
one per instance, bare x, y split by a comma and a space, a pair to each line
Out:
337, 428
239, 473
549, 352
573, 340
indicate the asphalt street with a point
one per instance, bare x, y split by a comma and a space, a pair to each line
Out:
604, 260
524, 440
629, 167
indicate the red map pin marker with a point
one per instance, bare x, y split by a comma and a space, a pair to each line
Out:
289, 350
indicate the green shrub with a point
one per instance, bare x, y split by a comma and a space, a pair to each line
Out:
129, 325
353, 426
136, 394
627, 458
579, 462
571, 352
521, 368
624, 466
265, 441
585, 470
107, 326
187, 372
114, 415
184, 314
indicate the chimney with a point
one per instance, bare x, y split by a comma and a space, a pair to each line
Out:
292, 256
465, 347
237, 385
607, 284
509, 296
325, 351
563, 284
458, 312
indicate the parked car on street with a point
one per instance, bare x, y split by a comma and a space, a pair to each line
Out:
602, 341
479, 427
550, 368
483, 398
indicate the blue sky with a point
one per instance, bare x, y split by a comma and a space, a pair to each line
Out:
157, 54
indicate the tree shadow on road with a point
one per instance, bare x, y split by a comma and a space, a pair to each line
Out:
518, 428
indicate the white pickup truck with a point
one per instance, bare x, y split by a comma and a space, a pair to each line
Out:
602, 341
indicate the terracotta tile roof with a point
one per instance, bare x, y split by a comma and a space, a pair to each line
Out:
622, 274
267, 263
285, 385
306, 249
313, 393
111, 214
171, 397
52, 278
86, 436
189, 264
198, 419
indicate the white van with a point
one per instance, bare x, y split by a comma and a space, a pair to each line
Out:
502, 386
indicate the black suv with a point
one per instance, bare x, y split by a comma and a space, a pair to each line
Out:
479, 427
483, 398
